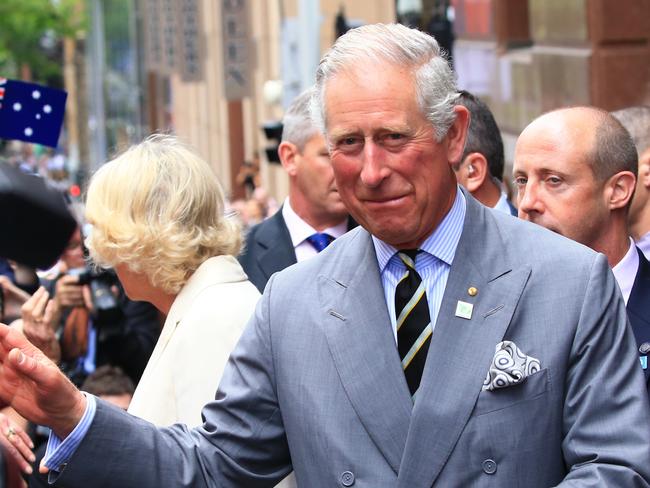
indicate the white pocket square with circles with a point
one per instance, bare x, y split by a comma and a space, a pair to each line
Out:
509, 367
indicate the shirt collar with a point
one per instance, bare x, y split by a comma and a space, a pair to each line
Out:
442, 242
502, 203
299, 230
626, 269
644, 243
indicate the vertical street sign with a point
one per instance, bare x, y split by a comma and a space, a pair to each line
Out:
190, 40
236, 48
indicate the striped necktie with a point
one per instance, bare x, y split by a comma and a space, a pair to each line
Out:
413, 321
320, 240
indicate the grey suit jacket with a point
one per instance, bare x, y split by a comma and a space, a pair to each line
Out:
316, 380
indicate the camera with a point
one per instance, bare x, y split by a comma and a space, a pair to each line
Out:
107, 311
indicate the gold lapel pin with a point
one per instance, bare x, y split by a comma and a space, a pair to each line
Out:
472, 291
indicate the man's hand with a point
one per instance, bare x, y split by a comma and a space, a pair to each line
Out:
16, 443
68, 292
40, 319
33, 385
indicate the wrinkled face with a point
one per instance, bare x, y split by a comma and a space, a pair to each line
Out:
315, 179
393, 176
556, 187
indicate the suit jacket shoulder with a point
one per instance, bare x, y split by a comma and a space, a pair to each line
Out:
268, 249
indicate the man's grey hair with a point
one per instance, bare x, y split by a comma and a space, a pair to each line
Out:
637, 122
399, 45
297, 125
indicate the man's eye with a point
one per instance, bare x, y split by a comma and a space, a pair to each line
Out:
347, 144
553, 180
393, 139
520, 181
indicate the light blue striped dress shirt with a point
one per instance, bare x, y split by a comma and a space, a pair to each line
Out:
59, 451
432, 265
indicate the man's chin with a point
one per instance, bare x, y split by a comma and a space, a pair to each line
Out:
552, 229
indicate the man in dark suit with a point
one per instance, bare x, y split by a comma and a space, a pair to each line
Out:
480, 170
312, 215
575, 171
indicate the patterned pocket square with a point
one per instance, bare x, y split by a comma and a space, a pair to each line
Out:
509, 367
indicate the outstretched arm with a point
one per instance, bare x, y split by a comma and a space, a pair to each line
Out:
35, 387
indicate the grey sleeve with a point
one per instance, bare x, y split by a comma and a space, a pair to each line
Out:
606, 423
241, 443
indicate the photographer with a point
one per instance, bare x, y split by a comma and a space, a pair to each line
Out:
90, 322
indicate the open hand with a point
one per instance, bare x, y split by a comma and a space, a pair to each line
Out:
35, 387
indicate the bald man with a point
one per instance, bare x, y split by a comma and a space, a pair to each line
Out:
575, 174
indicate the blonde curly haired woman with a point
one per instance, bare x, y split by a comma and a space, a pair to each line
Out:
157, 216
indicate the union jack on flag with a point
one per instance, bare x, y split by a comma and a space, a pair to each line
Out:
31, 112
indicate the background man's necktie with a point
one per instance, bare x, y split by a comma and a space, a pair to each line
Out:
320, 240
413, 321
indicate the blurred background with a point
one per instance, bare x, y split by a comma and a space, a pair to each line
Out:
220, 73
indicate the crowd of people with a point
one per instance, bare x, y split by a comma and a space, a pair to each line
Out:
399, 320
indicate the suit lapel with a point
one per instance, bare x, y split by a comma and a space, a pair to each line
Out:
275, 247
461, 349
361, 342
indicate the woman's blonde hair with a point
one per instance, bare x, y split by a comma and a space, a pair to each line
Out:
158, 209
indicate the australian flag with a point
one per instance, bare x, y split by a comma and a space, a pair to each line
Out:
31, 112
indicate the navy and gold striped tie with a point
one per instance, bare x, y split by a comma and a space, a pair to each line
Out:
413, 321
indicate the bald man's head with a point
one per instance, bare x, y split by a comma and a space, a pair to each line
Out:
574, 171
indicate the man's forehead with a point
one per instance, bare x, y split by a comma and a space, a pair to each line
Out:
352, 104
578, 125
561, 135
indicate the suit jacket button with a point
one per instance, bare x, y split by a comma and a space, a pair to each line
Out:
347, 478
489, 466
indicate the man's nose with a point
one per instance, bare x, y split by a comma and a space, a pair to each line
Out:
374, 169
529, 201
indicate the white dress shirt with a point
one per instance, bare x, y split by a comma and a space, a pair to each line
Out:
299, 230
625, 271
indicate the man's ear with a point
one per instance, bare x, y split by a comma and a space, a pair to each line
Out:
476, 169
288, 152
456, 135
620, 189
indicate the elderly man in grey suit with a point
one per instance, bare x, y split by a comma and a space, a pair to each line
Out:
439, 344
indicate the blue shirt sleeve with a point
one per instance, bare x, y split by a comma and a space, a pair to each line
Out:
59, 451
